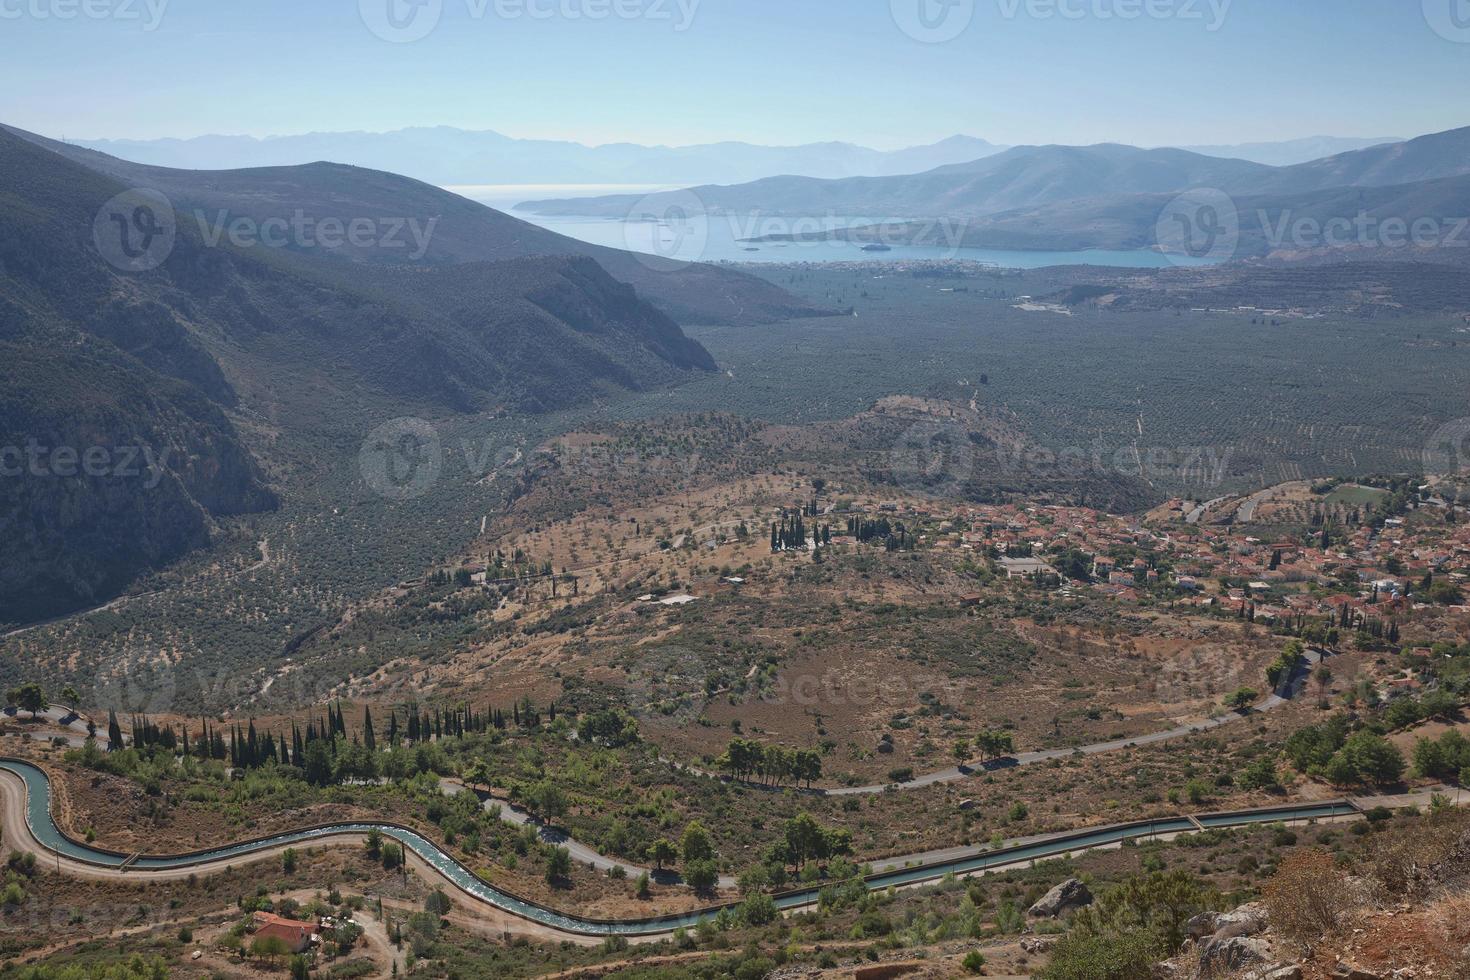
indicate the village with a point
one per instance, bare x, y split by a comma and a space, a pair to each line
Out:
1373, 567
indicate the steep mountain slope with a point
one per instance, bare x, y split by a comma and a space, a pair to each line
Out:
445, 155
455, 229
116, 453
158, 371
1027, 176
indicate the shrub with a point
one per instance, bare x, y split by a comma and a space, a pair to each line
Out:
1308, 897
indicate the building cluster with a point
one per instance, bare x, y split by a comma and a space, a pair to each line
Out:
1368, 570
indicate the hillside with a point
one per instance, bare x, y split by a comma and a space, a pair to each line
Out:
1429, 157
224, 363
1267, 222
462, 230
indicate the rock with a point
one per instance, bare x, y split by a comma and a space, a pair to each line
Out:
1248, 920
1347, 971
1233, 953
1070, 894
1202, 926
1275, 972
1032, 945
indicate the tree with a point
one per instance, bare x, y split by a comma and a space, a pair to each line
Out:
1373, 759
438, 903
1242, 699
547, 800
558, 866
1260, 775
476, 772
995, 744
662, 852
702, 876
288, 861
696, 844
805, 838
270, 947
29, 697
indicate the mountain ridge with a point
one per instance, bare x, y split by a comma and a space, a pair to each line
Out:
219, 360
449, 155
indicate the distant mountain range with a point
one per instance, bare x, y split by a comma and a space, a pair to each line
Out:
1105, 196
1025, 176
1289, 152
448, 156
239, 365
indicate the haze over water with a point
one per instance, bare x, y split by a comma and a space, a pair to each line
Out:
720, 237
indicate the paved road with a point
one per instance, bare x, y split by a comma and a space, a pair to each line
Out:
59, 722
18, 836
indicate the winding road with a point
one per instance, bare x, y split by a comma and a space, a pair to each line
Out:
27, 825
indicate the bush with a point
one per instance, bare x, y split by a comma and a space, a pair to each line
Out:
1130, 928
758, 910
1308, 897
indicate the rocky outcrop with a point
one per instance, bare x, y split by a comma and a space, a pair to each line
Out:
1070, 894
1220, 955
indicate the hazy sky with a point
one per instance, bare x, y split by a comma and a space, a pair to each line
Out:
769, 71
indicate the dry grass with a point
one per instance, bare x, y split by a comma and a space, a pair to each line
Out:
1310, 898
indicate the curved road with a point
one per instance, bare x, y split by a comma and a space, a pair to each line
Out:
27, 825
588, 856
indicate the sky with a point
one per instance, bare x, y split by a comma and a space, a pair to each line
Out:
884, 73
